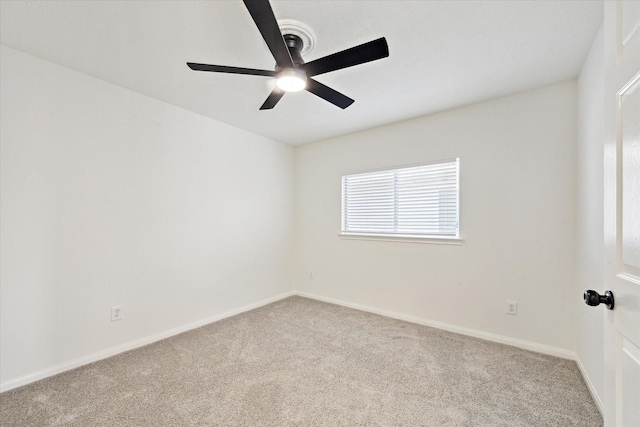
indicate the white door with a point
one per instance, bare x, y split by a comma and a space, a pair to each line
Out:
622, 212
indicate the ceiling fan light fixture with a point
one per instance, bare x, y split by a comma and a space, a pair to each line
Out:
291, 80
287, 41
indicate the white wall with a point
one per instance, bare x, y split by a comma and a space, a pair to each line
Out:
109, 197
589, 219
517, 157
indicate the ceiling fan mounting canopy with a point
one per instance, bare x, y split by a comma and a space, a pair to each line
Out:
300, 29
291, 72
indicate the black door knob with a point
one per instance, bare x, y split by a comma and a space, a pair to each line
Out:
593, 298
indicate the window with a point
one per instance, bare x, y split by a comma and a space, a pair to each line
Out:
419, 201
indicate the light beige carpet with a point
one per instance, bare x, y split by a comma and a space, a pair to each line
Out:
301, 362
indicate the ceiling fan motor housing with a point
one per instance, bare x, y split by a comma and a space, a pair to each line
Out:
295, 45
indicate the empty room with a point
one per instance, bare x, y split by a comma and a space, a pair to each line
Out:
320, 213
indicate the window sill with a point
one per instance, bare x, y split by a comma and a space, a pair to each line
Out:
404, 239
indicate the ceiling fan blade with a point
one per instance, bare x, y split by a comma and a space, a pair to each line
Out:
272, 99
265, 20
376, 49
232, 70
328, 94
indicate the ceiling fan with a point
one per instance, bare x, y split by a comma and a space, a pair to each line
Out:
291, 72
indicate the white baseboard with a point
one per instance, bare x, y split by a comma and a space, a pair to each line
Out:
592, 389
94, 357
103, 354
527, 345
515, 342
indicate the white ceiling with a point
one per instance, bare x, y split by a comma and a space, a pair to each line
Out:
443, 54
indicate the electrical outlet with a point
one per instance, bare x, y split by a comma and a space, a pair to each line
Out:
512, 307
311, 275
116, 313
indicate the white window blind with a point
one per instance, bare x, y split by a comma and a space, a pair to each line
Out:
419, 201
